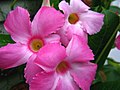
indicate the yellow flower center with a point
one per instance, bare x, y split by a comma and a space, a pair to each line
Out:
73, 18
36, 44
62, 67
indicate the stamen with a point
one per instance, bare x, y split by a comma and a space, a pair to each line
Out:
73, 18
36, 44
62, 67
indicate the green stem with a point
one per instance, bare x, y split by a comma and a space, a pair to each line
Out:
12, 5
105, 48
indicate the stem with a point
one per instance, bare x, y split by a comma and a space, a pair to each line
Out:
105, 48
12, 5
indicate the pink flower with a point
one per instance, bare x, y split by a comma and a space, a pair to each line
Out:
29, 37
63, 69
117, 42
79, 20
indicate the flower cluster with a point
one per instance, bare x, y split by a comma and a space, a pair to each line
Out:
54, 45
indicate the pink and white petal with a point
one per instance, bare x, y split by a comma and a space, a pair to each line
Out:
47, 20
13, 55
53, 38
78, 6
31, 69
50, 56
117, 42
63, 37
83, 74
65, 7
66, 82
77, 30
18, 25
78, 50
92, 21
44, 81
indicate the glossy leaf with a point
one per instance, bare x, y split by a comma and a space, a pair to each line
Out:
5, 39
114, 63
107, 79
113, 85
115, 9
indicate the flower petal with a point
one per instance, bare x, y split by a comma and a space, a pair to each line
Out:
44, 81
77, 30
50, 56
18, 25
47, 21
117, 42
66, 82
53, 38
63, 37
92, 21
63, 5
78, 50
78, 6
83, 74
13, 55
31, 69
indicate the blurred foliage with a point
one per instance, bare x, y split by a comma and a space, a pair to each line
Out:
11, 77
108, 78
5, 39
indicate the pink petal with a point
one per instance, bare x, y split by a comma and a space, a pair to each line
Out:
13, 55
92, 21
78, 6
18, 25
53, 38
66, 82
78, 50
83, 74
63, 5
31, 69
76, 29
63, 37
50, 56
117, 42
47, 21
44, 81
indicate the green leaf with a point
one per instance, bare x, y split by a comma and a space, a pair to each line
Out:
113, 85
5, 39
55, 3
114, 63
103, 3
115, 9
107, 74
31, 5
102, 42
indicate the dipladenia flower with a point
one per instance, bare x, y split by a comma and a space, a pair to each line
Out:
79, 20
62, 69
29, 37
117, 42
